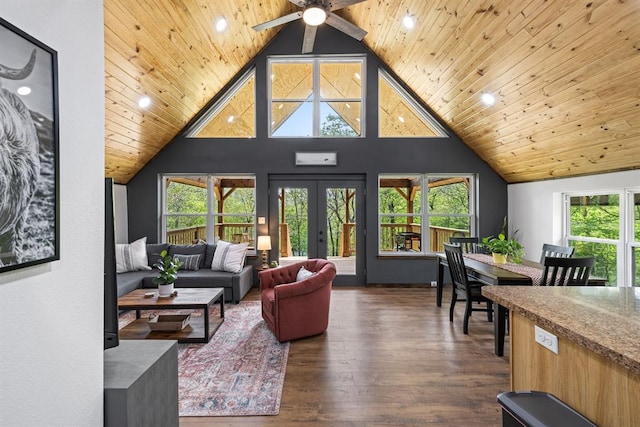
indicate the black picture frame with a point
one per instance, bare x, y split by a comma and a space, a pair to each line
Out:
29, 154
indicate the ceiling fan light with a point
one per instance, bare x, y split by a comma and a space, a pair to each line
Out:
314, 15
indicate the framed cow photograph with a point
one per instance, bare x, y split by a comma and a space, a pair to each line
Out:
29, 138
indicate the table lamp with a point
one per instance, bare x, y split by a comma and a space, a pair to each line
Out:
264, 245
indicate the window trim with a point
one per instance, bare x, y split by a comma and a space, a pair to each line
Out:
424, 214
315, 60
410, 100
625, 240
213, 110
211, 215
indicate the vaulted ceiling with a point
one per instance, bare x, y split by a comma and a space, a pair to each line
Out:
565, 74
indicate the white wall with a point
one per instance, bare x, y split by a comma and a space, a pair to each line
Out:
536, 210
51, 322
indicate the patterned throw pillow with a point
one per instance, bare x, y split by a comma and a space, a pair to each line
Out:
132, 257
189, 262
229, 256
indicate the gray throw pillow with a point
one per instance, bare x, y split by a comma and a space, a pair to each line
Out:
189, 262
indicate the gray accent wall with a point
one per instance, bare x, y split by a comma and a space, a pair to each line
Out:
367, 156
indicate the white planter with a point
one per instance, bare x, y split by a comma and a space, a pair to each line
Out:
165, 290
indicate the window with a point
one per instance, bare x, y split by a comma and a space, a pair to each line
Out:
233, 116
399, 115
607, 226
316, 97
209, 208
448, 210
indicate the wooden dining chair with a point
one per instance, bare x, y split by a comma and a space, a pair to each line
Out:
465, 288
562, 271
468, 244
555, 251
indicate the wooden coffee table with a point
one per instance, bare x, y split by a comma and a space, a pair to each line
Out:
200, 328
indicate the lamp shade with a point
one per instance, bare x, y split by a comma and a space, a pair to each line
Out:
264, 243
314, 15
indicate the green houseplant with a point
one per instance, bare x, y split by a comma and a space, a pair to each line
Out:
168, 267
502, 247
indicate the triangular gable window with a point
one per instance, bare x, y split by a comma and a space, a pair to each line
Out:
233, 116
399, 115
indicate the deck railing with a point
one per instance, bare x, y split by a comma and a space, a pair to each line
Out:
229, 232
242, 232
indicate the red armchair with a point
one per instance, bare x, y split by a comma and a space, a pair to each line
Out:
294, 309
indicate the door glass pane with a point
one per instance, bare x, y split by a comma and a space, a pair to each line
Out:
341, 229
293, 224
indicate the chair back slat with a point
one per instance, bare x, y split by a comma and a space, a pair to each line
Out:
468, 244
562, 271
549, 250
456, 266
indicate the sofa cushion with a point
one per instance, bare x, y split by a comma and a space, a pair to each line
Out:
229, 256
132, 257
131, 281
198, 249
154, 250
189, 262
208, 255
203, 278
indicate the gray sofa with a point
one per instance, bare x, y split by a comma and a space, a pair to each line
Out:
236, 285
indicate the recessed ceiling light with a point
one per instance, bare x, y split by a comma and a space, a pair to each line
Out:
356, 75
221, 25
144, 102
408, 22
347, 105
230, 119
280, 106
488, 99
24, 90
401, 119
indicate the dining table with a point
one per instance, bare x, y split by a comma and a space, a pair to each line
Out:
482, 268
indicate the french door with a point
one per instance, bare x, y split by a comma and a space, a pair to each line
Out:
319, 218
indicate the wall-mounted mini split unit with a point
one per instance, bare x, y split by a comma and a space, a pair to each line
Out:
317, 159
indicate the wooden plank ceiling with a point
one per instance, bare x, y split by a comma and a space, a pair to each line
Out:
565, 74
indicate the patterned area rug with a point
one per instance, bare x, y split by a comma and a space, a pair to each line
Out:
240, 372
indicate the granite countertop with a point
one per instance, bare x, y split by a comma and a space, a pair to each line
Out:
605, 320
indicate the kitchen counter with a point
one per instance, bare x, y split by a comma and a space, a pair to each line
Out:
605, 320
596, 369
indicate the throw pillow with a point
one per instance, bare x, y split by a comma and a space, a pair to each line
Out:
303, 273
229, 256
188, 250
132, 257
189, 262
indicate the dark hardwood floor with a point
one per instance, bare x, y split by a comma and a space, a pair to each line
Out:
389, 358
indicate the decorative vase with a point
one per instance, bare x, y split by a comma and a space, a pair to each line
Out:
499, 258
165, 290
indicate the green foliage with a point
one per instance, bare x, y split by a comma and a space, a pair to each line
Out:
502, 245
335, 125
168, 268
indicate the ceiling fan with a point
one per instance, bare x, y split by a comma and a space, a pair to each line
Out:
314, 13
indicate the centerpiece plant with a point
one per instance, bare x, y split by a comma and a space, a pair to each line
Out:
502, 247
168, 267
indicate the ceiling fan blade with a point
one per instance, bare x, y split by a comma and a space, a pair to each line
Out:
299, 3
345, 26
278, 21
339, 4
309, 38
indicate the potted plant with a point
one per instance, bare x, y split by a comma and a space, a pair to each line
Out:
168, 267
502, 247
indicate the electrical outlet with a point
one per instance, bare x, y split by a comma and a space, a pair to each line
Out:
434, 283
546, 339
